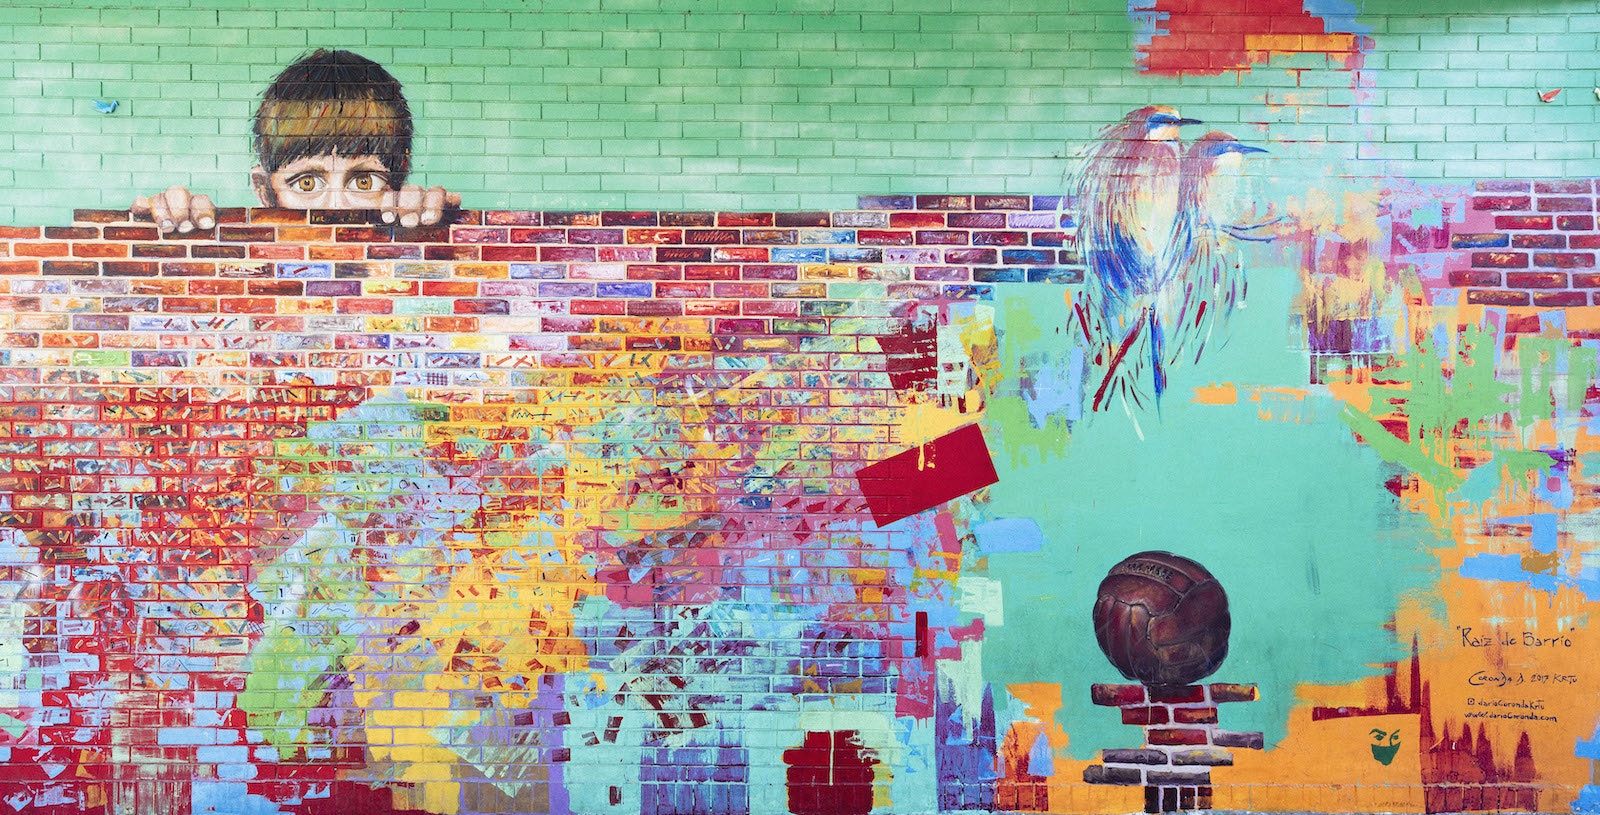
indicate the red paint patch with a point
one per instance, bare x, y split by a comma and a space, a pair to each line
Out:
830, 773
1231, 35
924, 477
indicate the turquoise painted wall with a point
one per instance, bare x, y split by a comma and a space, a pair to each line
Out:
766, 103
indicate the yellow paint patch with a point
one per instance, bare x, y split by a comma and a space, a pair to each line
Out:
1226, 393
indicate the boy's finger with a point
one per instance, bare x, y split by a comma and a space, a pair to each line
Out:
410, 203
140, 206
388, 203
452, 199
433, 202
178, 208
203, 211
160, 214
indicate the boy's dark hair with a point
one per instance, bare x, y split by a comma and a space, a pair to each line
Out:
334, 101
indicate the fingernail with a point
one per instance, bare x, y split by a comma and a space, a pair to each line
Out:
388, 217
185, 227
409, 220
207, 223
166, 226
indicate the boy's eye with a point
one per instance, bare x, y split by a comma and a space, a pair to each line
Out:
366, 182
306, 183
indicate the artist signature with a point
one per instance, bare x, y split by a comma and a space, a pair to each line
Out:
1502, 679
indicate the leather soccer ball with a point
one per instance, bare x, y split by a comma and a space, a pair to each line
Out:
1162, 619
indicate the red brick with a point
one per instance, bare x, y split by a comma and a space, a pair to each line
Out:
971, 256
130, 268
744, 219
682, 254
391, 251
1559, 299
1563, 187
292, 217
1536, 280
1120, 695
977, 220
654, 236
597, 307
248, 305
999, 239
942, 237
450, 251
1544, 241
200, 286
1584, 242
1564, 260
883, 237
625, 254
19, 267
1566, 204
1233, 692
1145, 714
507, 253
704, 237
1502, 202
711, 308
740, 254
277, 288
247, 234
1474, 278
211, 250
701, 271
19, 232
40, 250
160, 250
508, 218
1500, 260
944, 202
1575, 223
449, 288
178, 268
1586, 280
100, 250
798, 219
916, 220
479, 235
1498, 298
1194, 715
1182, 693
277, 251
687, 218
452, 325
770, 308
654, 271
71, 267
130, 233
1006, 202
364, 305
682, 289
72, 233
1523, 222
656, 308
539, 235
1176, 735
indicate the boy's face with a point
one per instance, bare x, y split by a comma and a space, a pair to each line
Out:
324, 182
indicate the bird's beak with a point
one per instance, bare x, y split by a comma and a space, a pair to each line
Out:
1245, 148
1189, 122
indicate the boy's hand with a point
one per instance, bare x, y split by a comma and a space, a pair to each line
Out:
412, 205
176, 210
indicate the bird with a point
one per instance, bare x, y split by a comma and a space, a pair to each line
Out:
1205, 284
1155, 303
105, 107
1126, 196
1549, 96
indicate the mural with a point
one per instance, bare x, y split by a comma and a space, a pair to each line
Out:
1200, 471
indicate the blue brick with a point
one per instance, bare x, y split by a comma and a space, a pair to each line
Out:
989, 275
858, 254
628, 289
566, 288
784, 254
888, 202
969, 292
537, 271
301, 271
1055, 275
1470, 241
1032, 257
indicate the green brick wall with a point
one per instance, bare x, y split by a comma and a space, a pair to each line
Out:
767, 104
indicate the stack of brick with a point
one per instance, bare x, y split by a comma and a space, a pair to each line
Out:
1182, 742
1528, 243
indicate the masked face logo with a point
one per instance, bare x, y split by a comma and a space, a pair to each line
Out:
1385, 745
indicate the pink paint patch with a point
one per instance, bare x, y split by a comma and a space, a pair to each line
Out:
924, 477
